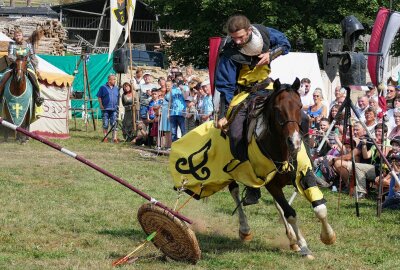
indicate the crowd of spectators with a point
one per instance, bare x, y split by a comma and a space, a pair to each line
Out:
380, 115
166, 108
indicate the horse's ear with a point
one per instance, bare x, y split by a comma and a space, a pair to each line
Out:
296, 84
277, 85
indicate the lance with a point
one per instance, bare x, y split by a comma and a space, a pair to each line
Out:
93, 166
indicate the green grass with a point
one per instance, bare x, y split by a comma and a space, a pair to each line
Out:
57, 213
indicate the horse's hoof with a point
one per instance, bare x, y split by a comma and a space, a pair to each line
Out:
327, 240
309, 257
245, 237
295, 247
306, 253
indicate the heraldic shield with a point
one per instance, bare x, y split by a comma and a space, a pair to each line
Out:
120, 12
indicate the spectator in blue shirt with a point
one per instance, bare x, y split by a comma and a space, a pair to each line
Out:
177, 108
108, 97
207, 107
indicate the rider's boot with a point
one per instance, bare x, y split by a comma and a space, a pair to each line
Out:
252, 196
36, 90
39, 100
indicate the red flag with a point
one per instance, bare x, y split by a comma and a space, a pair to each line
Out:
382, 105
212, 59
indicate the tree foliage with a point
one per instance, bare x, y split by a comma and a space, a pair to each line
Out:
305, 22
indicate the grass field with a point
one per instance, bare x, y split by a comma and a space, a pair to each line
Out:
57, 213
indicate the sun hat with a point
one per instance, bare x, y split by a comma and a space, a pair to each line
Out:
205, 82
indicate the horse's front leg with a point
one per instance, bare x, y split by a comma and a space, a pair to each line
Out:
328, 236
244, 228
290, 215
289, 229
316, 198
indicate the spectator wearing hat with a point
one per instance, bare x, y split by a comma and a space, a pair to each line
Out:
191, 114
177, 109
145, 94
207, 108
372, 92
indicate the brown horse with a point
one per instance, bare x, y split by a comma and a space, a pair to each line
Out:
17, 105
278, 136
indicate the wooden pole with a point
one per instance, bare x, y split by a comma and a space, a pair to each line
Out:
100, 29
131, 67
86, 75
84, 92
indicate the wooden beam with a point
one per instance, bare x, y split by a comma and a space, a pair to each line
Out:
84, 12
101, 23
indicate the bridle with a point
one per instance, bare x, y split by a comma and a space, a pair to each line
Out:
271, 111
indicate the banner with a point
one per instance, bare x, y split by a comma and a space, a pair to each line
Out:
120, 9
385, 28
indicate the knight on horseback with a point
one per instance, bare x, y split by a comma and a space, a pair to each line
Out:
244, 62
21, 48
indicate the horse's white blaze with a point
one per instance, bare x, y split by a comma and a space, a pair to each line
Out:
296, 139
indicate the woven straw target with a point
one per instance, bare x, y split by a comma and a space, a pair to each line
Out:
174, 238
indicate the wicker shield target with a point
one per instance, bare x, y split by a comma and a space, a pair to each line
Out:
174, 238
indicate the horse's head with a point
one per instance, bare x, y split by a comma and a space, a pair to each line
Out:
284, 114
20, 68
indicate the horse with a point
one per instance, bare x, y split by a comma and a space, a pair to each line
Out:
278, 136
17, 105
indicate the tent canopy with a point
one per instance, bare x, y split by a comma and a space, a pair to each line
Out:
98, 70
53, 75
4, 38
300, 65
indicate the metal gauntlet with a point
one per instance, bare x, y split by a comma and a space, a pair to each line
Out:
275, 53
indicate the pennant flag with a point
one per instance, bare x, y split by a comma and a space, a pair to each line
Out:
121, 18
386, 26
215, 43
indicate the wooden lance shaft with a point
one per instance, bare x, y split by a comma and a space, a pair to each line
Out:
94, 166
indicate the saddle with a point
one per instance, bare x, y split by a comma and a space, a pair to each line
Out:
252, 104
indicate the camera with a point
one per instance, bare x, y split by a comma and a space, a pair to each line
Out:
395, 157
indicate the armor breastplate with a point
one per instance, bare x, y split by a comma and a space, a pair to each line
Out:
21, 50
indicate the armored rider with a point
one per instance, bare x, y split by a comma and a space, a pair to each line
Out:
21, 48
244, 61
